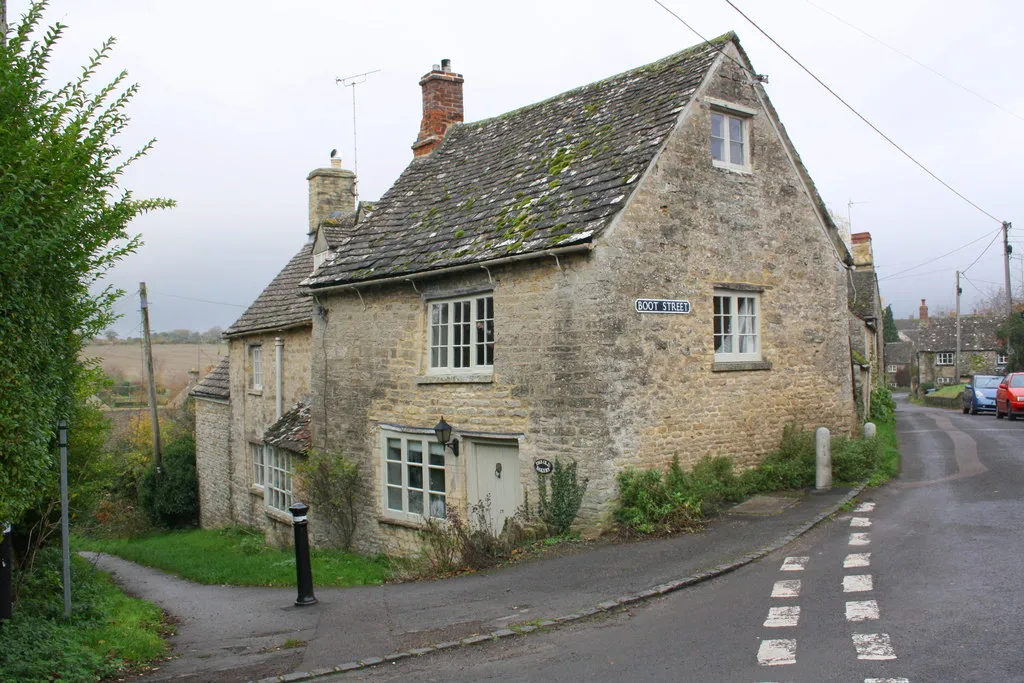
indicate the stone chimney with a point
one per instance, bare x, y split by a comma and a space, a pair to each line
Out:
863, 257
442, 106
330, 190
922, 312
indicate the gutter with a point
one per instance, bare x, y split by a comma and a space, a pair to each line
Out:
554, 253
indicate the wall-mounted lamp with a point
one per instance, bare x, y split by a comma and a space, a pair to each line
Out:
443, 430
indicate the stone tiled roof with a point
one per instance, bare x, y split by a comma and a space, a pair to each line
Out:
899, 353
279, 306
216, 384
977, 333
861, 288
291, 432
550, 174
904, 324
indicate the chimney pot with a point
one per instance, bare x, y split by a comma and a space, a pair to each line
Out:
446, 65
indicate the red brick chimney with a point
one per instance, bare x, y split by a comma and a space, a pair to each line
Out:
923, 311
442, 106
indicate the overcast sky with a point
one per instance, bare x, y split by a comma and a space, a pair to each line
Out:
243, 101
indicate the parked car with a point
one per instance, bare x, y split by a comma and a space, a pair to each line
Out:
980, 394
1010, 396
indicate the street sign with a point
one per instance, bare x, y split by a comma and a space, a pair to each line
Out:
662, 306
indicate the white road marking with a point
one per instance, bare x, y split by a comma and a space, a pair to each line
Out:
776, 652
786, 589
860, 538
860, 521
857, 583
781, 617
794, 564
886, 680
865, 507
862, 610
857, 560
873, 646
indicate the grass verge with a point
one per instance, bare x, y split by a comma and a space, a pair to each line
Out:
887, 454
238, 556
108, 632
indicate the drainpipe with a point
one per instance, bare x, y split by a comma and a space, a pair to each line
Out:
278, 350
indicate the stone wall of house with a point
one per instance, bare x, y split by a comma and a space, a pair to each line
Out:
213, 453
690, 227
578, 373
252, 412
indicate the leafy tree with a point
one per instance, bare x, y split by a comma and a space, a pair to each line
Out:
65, 220
889, 331
1011, 332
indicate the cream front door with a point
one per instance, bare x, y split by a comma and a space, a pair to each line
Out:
494, 472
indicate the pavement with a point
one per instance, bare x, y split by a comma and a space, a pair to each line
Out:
231, 634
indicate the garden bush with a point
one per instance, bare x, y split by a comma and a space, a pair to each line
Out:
331, 484
560, 510
172, 501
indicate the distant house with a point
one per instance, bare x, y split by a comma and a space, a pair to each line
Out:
981, 351
637, 269
899, 359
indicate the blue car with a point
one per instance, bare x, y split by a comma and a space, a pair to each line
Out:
980, 395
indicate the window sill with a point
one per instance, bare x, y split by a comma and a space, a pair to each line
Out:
255, 392
278, 516
741, 170
405, 524
740, 365
256, 490
476, 378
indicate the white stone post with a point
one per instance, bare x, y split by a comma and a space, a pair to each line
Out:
823, 450
870, 430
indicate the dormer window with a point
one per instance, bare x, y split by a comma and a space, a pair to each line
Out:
319, 258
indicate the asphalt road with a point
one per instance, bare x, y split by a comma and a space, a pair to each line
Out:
922, 584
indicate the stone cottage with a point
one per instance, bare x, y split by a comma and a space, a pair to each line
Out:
866, 339
253, 409
981, 351
637, 269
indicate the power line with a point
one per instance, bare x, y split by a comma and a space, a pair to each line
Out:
936, 258
921, 64
858, 114
204, 301
987, 247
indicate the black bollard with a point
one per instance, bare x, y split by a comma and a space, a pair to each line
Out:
303, 570
6, 594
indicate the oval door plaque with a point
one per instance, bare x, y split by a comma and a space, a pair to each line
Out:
542, 466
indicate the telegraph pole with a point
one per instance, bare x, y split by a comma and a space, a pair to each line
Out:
958, 293
148, 351
1007, 250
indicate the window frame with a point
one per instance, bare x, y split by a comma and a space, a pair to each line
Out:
1002, 358
745, 117
430, 496
257, 464
892, 368
446, 335
255, 354
945, 357
733, 315
279, 477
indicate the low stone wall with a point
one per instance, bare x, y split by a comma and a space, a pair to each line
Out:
940, 402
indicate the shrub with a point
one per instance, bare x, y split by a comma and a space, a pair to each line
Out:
882, 405
172, 501
453, 543
560, 510
331, 484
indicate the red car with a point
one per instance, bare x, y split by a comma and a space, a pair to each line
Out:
1010, 396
